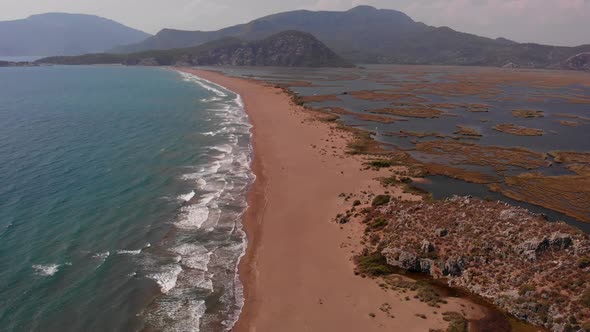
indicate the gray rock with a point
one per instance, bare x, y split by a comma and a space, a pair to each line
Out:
427, 247
507, 214
407, 260
560, 241
426, 265
453, 266
441, 232
531, 248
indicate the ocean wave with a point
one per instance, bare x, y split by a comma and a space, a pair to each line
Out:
225, 148
46, 270
223, 130
194, 256
218, 206
195, 215
180, 315
238, 286
187, 197
129, 252
102, 255
166, 277
207, 85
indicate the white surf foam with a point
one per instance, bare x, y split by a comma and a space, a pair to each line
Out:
46, 270
225, 148
187, 197
222, 184
193, 216
178, 316
166, 277
194, 256
129, 252
207, 85
102, 255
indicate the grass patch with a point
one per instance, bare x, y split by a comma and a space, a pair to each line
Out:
457, 323
426, 293
381, 163
361, 143
390, 181
583, 262
374, 264
585, 299
381, 200
378, 224
525, 289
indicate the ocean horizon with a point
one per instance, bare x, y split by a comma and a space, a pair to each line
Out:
122, 191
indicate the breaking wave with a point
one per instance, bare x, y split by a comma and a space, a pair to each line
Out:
46, 270
200, 260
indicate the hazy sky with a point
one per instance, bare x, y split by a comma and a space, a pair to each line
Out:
558, 22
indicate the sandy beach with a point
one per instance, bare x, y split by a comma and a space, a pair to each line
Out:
297, 271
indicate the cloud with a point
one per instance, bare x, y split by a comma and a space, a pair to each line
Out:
562, 22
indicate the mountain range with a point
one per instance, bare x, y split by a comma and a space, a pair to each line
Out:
64, 34
362, 34
284, 49
368, 35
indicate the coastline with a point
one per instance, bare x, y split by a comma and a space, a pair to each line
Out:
297, 272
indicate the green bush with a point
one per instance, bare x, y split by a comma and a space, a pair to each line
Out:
374, 264
586, 298
457, 323
381, 163
525, 289
378, 224
583, 262
381, 200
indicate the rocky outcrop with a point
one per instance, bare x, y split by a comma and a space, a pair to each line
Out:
147, 62
579, 61
407, 260
534, 269
453, 266
510, 65
427, 247
441, 232
285, 49
532, 247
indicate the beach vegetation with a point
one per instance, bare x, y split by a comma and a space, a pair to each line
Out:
389, 181
457, 323
378, 224
585, 299
381, 163
373, 264
583, 262
381, 200
425, 292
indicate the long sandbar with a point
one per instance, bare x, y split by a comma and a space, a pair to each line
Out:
297, 271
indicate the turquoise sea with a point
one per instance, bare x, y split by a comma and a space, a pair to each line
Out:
121, 191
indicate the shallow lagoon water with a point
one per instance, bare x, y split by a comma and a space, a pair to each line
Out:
552, 96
